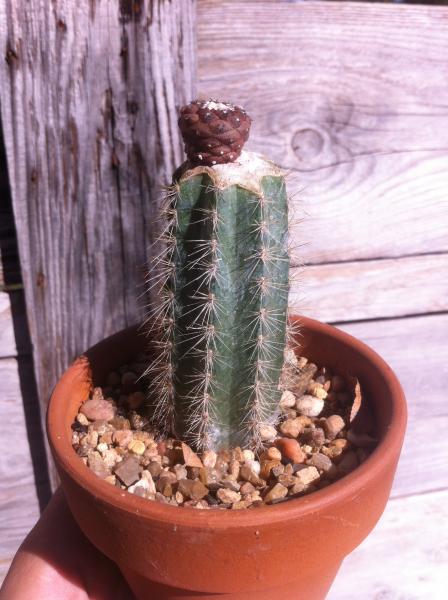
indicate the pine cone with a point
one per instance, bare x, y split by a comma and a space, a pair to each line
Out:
213, 132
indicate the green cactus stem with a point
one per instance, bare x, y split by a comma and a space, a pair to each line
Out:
221, 322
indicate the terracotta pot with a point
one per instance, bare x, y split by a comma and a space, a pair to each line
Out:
290, 551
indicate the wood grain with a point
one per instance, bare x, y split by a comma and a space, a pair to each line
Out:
18, 497
351, 98
335, 292
417, 351
371, 289
404, 558
88, 95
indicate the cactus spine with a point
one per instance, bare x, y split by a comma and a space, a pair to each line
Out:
222, 317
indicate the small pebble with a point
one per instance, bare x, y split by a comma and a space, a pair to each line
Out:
247, 488
247, 474
319, 392
209, 458
81, 418
267, 466
268, 433
98, 410
288, 400
248, 455
140, 488
320, 461
228, 496
137, 447
276, 493
297, 488
193, 489
307, 475
230, 484
314, 437
97, 465
122, 437
291, 428
254, 465
180, 472
273, 453
120, 423
110, 457
128, 471
191, 459
310, 406
333, 425
151, 486
290, 449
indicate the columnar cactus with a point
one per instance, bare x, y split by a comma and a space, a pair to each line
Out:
223, 276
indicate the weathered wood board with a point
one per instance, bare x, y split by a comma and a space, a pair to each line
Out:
417, 350
346, 291
372, 289
7, 340
88, 96
336, 93
404, 558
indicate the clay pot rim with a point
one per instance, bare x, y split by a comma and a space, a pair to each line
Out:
342, 490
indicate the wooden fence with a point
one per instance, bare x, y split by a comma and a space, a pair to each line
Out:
351, 98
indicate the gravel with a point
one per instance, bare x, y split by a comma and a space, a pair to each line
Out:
311, 446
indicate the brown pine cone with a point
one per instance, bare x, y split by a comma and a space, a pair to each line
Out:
213, 132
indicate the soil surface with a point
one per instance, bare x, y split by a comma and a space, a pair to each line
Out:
315, 442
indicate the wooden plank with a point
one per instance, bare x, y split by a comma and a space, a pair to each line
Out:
88, 95
417, 351
7, 340
18, 492
405, 557
351, 291
336, 96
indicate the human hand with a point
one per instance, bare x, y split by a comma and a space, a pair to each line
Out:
57, 562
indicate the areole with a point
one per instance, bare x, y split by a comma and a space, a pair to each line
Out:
291, 550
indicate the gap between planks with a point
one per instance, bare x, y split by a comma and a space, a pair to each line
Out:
362, 290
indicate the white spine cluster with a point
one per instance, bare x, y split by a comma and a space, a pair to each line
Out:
261, 329
202, 335
160, 322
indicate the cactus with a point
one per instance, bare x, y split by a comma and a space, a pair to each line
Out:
220, 325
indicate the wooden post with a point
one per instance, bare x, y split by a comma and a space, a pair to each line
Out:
88, 94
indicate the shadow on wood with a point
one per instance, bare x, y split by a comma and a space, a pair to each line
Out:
12, 283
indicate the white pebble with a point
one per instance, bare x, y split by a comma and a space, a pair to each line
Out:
307, 475
268, 433
310, 406
254, 465
288, 400
82, 419
248, 455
